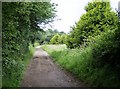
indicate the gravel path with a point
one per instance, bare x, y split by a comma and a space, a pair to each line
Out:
42, 72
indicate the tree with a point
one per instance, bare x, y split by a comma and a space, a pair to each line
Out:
55, 39
63, 39
50, 33
20, 27
98, 18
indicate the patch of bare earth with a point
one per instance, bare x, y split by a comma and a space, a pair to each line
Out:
42, 72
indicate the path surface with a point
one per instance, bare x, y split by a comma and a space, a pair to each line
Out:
42, 72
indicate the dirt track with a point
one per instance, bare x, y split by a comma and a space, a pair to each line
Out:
42, 72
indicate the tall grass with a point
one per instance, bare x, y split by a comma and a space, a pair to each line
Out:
80, 62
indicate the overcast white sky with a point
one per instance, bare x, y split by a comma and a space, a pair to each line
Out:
69, 11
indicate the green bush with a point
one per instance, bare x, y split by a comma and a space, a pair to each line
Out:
13, 71
105, 49
12, 79
98, 19
96, 62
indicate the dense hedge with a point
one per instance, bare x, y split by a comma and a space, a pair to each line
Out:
19, 28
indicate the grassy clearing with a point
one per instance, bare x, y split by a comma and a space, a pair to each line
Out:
51, 48
80, 62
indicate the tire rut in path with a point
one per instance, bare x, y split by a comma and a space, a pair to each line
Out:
42, 72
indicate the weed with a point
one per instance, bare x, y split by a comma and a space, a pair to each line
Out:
81, 63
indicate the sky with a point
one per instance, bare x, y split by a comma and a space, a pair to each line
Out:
69, 12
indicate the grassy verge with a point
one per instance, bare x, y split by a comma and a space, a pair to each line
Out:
80, 62
16, 69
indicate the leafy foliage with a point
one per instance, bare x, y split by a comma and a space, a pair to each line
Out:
59, 39
19, 28
55, 39
44, 37
98, 19
97, 35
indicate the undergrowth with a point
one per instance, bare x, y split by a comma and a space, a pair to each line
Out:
14, 71
95, 64
79, 62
